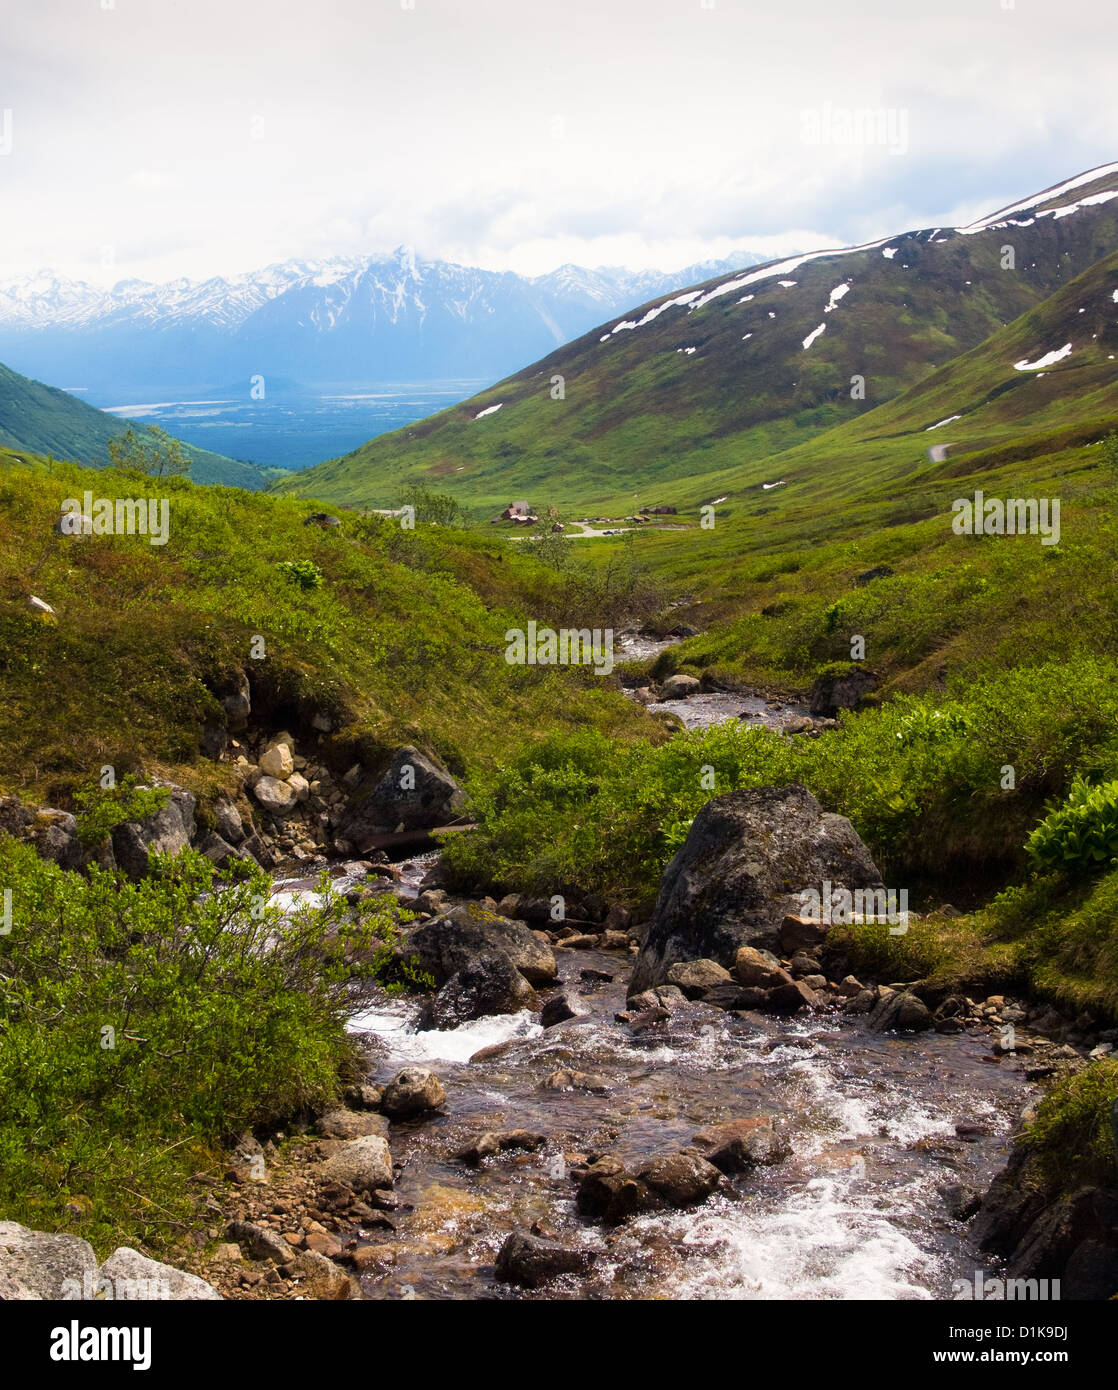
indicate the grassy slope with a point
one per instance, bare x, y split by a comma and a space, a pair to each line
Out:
642, 421
866, 494
404, 640
42, 419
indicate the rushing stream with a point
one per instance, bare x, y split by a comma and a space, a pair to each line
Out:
855, 1212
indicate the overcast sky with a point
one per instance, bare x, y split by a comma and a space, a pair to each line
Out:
157, 138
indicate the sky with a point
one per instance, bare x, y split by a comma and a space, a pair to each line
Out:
154, 139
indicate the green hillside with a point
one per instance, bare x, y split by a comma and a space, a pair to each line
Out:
402, 641
43, 420
660, 405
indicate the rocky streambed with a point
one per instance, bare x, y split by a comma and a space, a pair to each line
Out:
687, 700
883, 1142
780, 1156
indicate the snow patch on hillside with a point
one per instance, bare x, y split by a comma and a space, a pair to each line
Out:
781, 268
943, 422
655, 311
811, 337
836, 294
489, 410
1057, 355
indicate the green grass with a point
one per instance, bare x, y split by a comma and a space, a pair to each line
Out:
402, 641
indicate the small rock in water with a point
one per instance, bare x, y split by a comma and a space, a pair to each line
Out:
790, 998
695, 977
607, 1192
681, 1179
530, 1260
414, 1091
559, 1008
961, 1201
679, 687
646, 1018
728, 996
488, 984
900, 1012
564, 1080
739, 1145
759, 969
496, 1142
364, 1096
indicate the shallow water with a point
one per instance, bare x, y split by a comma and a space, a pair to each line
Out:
708, 708
854, 1212
720, 707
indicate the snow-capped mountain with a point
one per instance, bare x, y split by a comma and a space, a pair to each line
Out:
343, 319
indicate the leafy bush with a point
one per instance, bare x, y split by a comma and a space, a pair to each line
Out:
1080, 834
101, 810
432, 508
144, 1023
305, 573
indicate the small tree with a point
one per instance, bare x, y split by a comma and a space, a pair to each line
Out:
433, 508
154, 452
552, 548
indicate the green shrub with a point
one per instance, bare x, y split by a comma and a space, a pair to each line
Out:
305, 573
1073, 1134
1080, 834
142, 1024
101, 810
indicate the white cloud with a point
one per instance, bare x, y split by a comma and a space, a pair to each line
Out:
207, 137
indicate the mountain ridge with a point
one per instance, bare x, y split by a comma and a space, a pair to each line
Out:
735, 370
338, 319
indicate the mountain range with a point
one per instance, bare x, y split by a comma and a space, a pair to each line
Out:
342, 320
706, 387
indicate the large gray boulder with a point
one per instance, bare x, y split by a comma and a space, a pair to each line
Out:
835, 691
35, 1265
135, 1277
169, 831
277, 797
488, 984
747, 859
449, 943
414, 793
55, 835
414, 1091
365, 1163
